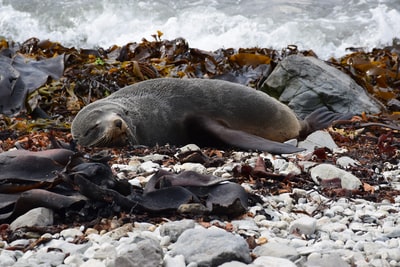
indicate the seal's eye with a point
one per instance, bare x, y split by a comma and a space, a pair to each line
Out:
91, 129
118, 123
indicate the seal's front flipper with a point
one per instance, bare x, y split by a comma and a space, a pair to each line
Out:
205, 131
321, 118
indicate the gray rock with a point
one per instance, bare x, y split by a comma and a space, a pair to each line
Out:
145, 253
175, 229
41, 258
278, 250
69, 247
304, 225
346, 162
177, 261
188, 148
307, 83
148, 167
71, 233
34, 217
327, 171
211, 247
7, 257
92, 263
326, 260
318, 139
234, 264
268, 261
189, 166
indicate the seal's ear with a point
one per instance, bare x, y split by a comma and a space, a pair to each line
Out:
205, 131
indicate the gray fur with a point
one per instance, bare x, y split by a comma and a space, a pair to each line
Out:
155, 112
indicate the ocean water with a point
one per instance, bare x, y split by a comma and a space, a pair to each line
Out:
326, 26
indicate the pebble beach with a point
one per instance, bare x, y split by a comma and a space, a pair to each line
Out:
336, 204
298, 228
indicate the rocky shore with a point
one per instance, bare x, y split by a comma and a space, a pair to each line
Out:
335, 204
286, 224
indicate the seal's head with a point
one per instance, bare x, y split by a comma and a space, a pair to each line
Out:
101, 128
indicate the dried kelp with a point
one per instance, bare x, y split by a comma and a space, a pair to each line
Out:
62, 180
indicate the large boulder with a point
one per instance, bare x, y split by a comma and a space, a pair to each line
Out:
307, 83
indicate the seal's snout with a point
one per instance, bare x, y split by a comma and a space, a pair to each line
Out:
118, 123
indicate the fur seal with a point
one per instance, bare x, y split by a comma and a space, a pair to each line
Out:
202, 111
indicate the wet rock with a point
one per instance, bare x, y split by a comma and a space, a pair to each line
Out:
34, 217
307, 83
328, 171
211, 247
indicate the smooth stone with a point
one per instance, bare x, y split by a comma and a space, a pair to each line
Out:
289, 168
125, 168
119, 232
318, 139
42, 257
245, 224
7, 257
393, 254
177, 261
175, 229
71, 233
188, 148
327, 171
154, 157
346, 162
395, 233
105, 251
20, 243
211, 247
68, 247
148, 167
304, 225
74, 260
274, 249
189, 166
268, 261
326, 260
145, 253
93, 263
34, 217
235, 264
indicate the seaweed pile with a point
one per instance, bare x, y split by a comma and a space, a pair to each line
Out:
71, 78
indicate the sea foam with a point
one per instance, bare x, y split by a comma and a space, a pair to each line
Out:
326, 27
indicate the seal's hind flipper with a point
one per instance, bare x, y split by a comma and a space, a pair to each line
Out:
205, 131
321, 118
